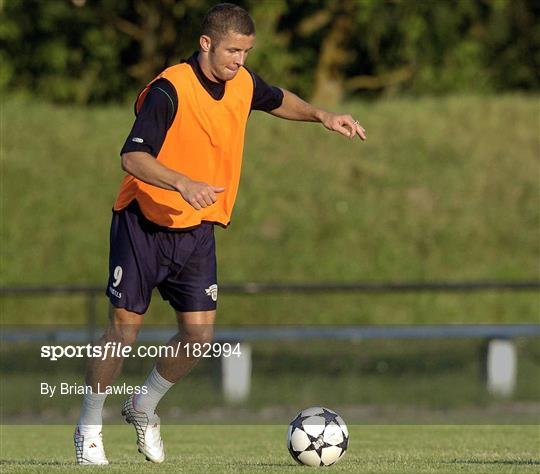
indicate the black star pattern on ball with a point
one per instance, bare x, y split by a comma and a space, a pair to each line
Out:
294, 453
317, 443
297, 422
329, 416
344, 444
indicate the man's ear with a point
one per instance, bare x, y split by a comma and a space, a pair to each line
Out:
205, 43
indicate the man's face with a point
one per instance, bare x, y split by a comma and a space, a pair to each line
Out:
227, 55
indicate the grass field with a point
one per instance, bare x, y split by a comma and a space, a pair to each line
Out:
444, 188
233, 449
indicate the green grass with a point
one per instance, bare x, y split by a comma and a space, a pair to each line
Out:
444, 189
247, 449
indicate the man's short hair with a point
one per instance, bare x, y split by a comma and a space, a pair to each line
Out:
225, 17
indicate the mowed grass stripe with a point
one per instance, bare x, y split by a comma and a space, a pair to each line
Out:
223, 449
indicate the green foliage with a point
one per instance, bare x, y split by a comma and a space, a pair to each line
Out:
451, 46
93, 51
85, 51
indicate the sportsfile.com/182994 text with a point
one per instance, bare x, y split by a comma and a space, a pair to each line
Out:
117, 349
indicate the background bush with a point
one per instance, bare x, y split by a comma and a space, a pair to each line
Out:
84, 51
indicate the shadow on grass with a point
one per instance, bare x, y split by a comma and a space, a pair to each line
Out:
270, 464
510, 462
33, 462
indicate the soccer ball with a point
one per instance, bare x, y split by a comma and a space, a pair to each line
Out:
317, 437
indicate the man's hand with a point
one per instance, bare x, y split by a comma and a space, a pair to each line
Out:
294, 108
199, 194
146, 168
344, 124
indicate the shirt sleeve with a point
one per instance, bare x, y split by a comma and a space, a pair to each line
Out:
265, 97
153, 120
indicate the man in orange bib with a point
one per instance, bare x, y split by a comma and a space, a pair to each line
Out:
183, 159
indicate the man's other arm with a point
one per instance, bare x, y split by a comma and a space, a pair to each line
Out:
145, 167
294, 108
144, 144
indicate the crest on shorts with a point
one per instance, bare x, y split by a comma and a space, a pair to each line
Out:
212, 292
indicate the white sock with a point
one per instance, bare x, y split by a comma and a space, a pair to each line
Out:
156, 387
91, 418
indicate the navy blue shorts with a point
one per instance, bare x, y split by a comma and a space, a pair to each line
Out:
143, 256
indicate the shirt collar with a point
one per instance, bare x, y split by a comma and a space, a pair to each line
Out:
215, 89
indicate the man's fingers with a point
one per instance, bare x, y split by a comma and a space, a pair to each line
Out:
346, 125
353, 129
207, 199
361, 131
195, 204
204, 197
343, 130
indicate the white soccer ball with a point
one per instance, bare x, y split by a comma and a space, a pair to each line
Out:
317, 437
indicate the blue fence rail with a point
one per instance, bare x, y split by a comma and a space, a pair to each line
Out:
92, 293
306, 287
500, 360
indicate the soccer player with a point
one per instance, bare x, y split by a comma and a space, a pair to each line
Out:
182, 159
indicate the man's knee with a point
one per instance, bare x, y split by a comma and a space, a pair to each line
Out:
200, 335
124, 326
197, 327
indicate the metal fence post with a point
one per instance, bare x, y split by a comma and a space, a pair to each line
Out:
236, 375
501, 367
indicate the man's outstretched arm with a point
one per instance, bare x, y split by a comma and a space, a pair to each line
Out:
294, 108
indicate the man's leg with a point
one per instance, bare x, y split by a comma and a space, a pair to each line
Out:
139, 410
194, 327
122, 329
